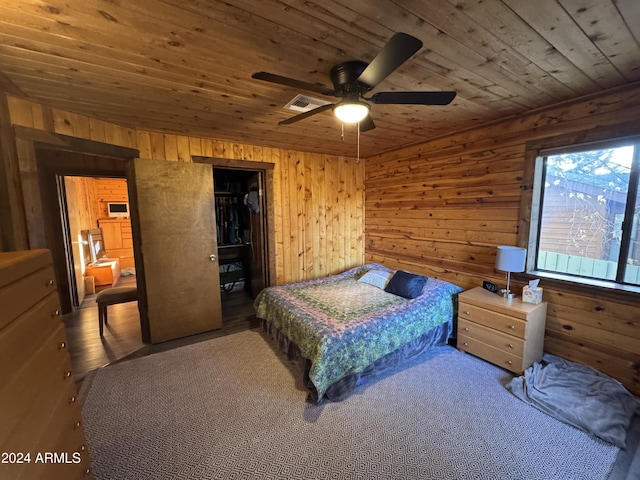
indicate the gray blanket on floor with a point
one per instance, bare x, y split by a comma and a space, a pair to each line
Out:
578, 395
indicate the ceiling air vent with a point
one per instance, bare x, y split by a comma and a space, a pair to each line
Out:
304, 103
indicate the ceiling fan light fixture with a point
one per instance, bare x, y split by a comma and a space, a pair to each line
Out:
351, 111
354, 78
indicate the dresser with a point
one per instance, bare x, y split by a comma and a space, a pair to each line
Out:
506, 332
118, 240
41, 434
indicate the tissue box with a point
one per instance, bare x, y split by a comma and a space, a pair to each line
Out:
532, 295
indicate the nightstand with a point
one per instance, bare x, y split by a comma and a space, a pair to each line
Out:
506, 332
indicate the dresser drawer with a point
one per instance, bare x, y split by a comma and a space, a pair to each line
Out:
73, 445
498, 321
119, 253
25, 405
61, 432
64, 423
488, 336
17, 297
21, 338
494, 355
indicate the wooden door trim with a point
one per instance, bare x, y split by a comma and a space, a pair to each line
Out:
58, 141
233, 163
13, 227
50, 164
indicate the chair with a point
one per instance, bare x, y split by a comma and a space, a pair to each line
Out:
111, 296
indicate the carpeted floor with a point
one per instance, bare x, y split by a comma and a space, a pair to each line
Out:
232, 408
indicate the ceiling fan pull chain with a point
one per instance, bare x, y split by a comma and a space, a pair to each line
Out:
342, 133
358, 157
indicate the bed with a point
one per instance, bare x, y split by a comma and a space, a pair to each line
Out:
343, 328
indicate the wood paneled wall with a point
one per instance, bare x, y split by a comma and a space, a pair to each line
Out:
440, 208
318, 205
109, 190
319, 199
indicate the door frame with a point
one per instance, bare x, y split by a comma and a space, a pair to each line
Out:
44, 156
63, 205
42, 216
267, 169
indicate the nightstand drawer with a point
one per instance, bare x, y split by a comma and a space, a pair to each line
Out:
501, 341
494, 355
495, 320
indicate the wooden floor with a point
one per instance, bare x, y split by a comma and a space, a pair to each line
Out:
122, 339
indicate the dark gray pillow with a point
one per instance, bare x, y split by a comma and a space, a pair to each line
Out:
405, 284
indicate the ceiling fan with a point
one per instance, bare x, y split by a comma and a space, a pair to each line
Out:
352, 80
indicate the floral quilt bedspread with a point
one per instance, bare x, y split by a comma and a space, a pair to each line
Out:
342, 325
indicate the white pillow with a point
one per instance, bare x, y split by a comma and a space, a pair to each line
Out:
376, 278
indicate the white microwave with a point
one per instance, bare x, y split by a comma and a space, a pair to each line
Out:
118, 209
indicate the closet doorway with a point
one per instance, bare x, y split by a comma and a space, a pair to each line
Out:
243, 200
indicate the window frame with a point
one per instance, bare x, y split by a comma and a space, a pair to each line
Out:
531, 200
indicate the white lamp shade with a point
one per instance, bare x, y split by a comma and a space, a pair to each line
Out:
351, 112
511, 259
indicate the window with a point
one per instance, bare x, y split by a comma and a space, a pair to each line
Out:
586, 212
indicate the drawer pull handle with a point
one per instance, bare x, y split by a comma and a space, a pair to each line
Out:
72, 399
509, 362
466, 312
83, 448
512, 327
87, 471
50, 283
77, 425
511, 345
62, 345
465, 344
67, 374
466, 329
55, 313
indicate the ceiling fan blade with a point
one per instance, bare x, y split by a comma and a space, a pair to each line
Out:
414, 98
304, 115
291, 82
367, 124
398, 50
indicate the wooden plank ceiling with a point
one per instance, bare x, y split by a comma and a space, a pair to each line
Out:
184, 66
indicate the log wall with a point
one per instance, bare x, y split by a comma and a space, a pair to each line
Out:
440, 208
319, 199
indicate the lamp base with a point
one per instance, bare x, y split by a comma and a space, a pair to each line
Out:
503, 292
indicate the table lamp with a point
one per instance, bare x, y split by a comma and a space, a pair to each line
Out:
510, 259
